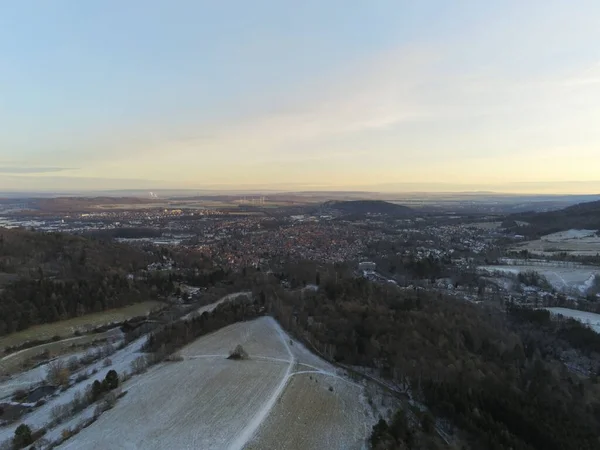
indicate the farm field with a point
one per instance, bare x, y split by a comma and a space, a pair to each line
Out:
207, 401
258, 337
310, 416
588, 318
67, 327
573, 242
560, 277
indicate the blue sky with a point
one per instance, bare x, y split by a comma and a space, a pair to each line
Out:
277, 94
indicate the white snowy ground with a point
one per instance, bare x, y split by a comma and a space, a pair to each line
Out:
588, 318
561, 278
575, 242
568, 235
209, 402
39, 417
31, 377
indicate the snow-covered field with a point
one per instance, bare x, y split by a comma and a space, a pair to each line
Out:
563, 278
260, 338
588, 318
191, 404
207, 401
575, 242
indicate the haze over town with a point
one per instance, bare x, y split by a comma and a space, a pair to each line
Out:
377, 96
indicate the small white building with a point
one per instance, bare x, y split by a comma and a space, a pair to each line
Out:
367, 265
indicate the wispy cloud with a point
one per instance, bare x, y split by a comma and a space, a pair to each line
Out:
32, 170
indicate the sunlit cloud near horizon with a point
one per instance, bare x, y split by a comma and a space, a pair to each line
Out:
389, 96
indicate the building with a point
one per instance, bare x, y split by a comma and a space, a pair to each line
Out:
367, 265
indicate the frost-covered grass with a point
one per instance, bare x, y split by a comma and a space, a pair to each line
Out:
67, 327
588, 318
40, 417
14, 362
190, 404
207, 401
31, 377
258, 337
311, 416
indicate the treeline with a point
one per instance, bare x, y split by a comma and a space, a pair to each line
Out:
26, 253
461, 360
126, 233
578, 335
173, 336
27, 302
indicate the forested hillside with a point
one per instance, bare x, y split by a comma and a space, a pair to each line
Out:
50, 276
477, 368
580, 216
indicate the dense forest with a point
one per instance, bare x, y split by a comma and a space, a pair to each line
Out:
580, 216
51, 276
468, 364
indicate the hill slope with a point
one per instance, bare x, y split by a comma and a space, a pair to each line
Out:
45, 277
580, 216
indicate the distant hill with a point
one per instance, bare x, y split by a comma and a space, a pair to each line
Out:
363, 207
580, 216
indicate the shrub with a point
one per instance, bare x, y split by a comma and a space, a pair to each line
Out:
139, 365
59, 413
112, 379
73, 364
97, 390
19, 395
82, 377
238, 353
22, 436
58, 373
107, 362
66, 434
175, 357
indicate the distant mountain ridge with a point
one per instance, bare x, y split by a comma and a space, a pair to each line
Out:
363, 207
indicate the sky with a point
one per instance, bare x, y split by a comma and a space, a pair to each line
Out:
427, 95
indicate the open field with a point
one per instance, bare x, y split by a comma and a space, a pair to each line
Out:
588, 318
563, 278
573, 242
191, 404
67, 327
257, 337
310, 416
207, 401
